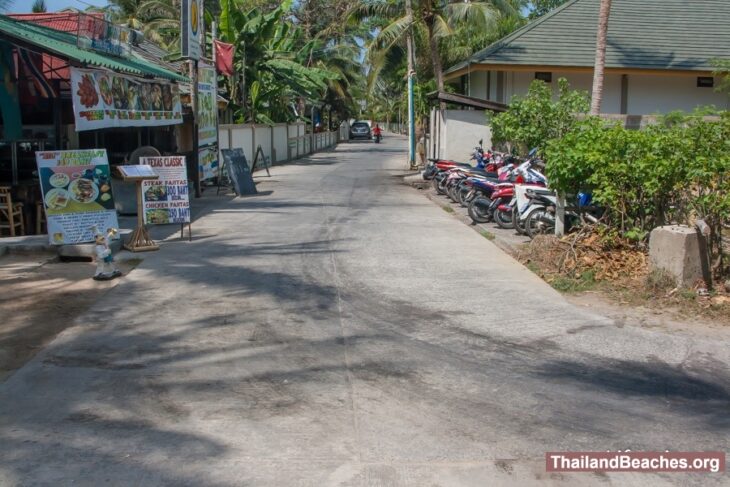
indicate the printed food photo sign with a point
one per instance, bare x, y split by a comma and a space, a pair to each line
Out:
104, 99
166, 199
77, 194
208, 163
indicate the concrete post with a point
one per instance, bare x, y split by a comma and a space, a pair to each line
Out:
560, 216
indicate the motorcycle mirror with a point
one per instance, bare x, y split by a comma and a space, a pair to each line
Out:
480, 142
533, 152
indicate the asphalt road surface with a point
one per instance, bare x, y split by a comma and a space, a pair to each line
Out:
342, 329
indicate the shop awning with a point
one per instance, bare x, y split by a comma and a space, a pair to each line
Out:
63, 45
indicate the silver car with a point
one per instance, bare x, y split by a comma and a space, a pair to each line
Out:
360, 130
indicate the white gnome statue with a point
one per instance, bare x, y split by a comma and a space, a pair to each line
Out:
105, 268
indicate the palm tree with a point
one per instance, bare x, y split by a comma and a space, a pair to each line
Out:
597, 94
39, 7
432, 20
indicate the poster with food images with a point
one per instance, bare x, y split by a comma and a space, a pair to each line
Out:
166, 199
208, 162
104, 99
77, 194
207, 107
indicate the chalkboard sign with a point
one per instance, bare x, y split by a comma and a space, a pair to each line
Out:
238, 171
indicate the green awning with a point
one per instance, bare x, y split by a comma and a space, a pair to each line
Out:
63, 45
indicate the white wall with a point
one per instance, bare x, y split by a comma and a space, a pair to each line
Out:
661, 94
281, 145
285, 136
647, 94
461, 131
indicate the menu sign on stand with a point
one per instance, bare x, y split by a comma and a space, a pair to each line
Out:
77, 194
166, 200
140, 240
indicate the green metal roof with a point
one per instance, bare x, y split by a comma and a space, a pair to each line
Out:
642, 34
63, 44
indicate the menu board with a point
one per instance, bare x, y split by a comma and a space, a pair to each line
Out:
207, 107
137, 171
166, 200
77, 194
238, 171
103, 99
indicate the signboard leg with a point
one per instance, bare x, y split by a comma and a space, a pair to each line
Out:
140, 240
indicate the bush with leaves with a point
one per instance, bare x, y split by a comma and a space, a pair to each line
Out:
537, 118
665, 173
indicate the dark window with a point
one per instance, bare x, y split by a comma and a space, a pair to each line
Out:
705, 82
544, 76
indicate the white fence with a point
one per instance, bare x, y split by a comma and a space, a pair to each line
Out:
279, 143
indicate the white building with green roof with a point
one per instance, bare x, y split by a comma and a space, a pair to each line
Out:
659, 57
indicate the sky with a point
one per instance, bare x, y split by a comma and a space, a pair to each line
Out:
23, 6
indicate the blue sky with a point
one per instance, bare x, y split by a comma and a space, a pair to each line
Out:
23, 6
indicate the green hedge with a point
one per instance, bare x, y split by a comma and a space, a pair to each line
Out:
675, 171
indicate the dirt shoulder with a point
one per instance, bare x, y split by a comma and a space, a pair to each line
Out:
40, 297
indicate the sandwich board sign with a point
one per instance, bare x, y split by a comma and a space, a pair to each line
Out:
238, 171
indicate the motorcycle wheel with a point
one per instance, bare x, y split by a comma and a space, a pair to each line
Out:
437, 186
478, 210
503, 219
451, 193
534, 224
516, 224
463, 193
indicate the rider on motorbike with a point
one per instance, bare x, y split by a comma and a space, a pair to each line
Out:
377, 133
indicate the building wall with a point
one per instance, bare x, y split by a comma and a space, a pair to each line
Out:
646, 94
478, 85
460, 131
659, 94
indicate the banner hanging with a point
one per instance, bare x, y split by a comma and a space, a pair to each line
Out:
103, 99
207, 106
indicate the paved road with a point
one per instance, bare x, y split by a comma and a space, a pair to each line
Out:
344, 330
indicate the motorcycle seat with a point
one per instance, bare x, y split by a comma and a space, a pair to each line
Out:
481, 172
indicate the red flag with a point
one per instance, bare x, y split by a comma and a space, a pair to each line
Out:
224, 58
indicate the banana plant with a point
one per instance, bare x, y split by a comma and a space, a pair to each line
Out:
270, 53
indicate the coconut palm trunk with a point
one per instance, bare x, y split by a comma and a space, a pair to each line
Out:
435, 54
598, 72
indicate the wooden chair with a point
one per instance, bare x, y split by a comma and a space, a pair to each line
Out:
11, 214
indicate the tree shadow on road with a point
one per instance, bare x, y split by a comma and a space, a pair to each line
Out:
703, 395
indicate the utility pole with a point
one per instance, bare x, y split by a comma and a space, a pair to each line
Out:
411, 75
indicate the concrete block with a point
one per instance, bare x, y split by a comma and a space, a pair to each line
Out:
676, 250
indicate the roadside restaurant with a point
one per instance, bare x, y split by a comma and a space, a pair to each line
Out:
75, 81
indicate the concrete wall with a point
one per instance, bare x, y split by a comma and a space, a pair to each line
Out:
646, 94
454, 133
279, 143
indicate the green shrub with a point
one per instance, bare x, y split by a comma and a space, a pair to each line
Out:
533, 120
675, 171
